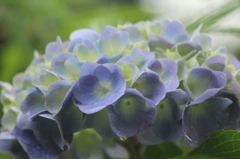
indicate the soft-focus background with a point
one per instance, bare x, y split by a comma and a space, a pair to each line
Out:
28, 25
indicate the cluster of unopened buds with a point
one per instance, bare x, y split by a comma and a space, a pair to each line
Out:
150, 80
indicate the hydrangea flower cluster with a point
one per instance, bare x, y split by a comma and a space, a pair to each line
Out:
149, 80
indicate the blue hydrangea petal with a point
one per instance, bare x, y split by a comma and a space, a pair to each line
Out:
216, 63
66, 66
202, 83
195, 37
93, 93
156, 27
168, 125
110, 98
187, 49
32, 146
234, 61
167, 70
134, 34
102, 73
150, 86
200, 120
173, 84
174, 31
141, 58
131, 114
233, 109
33, 103
51, 48
112, 41
120, 40
109, 59
10, 145
104, 48
42, 124
72, 65
179, 96
88, 68
157, 43
86, 51
69, 113
149, 138
22, 81
54, 47
45, 79
100, 122
86, 34
129, 69
73, 44
55, 94
9, 117
108, 32
86, 89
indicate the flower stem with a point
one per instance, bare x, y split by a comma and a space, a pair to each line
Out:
134, 148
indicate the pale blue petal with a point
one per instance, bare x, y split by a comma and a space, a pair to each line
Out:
55, 94
203, 83
174, 31
157, 43
33, 103
86, 34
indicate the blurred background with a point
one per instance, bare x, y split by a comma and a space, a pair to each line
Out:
28, 25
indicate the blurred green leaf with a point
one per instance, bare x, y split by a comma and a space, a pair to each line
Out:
211, 18
232, 31
5, 156
222, 144
165, 150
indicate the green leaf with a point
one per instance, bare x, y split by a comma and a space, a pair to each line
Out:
212, 17
6, 156
165, 150
222, 144
232, 31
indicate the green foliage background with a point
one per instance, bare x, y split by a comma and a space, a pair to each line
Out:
28, 25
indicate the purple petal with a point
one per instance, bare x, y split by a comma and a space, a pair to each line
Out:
157, 43
216, 62
105, 86
168, 124
203, 83
66, 65
167, 70
69, 113
150, 86
132, 114
33, 103
88, 68
141, 57
201, 119
85, 90
10, 145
